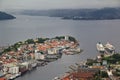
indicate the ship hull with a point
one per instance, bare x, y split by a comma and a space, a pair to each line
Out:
100, 47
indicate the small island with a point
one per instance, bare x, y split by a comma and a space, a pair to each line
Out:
26, 55
5, 16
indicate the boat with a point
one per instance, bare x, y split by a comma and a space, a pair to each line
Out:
23, 69
34, 65
12, 77
56, 78
100, 47
52, 56
109, 48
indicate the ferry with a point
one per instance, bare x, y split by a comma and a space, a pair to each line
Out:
109, 48
100, 47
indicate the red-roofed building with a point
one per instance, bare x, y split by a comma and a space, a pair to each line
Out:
80, 76
2, 79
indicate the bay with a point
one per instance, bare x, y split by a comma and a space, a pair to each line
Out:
88, 33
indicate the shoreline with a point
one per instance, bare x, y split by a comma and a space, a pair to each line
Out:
24, 56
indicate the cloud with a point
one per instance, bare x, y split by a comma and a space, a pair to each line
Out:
53, 4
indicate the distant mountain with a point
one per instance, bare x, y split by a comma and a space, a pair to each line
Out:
78, 14
5, 16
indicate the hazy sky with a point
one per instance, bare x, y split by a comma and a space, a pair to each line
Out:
54, 4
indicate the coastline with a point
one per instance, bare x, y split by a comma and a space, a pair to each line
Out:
25, 56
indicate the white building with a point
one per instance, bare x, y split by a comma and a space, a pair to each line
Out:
53, 51
13, 70
66, 37
38, 55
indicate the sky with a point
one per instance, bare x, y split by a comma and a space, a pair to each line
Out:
57, 4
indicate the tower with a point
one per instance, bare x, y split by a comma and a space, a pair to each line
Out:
66, 37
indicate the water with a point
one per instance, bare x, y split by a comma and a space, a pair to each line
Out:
88, 33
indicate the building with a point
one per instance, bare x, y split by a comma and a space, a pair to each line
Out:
66, 37
82, 74
53, 51
40, 56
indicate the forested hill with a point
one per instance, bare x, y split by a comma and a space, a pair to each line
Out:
78, 14
5, 16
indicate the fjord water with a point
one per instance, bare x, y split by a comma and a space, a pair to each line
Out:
88, 33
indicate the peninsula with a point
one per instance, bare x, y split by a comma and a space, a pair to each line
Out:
5, 16
23, 56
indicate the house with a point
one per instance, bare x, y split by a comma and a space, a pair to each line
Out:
39, 55
14, 70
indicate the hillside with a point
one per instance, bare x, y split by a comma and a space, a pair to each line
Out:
5, 16
78, 14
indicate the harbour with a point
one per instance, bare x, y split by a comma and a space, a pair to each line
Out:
79, 29
105, 66
107, 48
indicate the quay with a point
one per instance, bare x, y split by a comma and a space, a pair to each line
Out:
105, 66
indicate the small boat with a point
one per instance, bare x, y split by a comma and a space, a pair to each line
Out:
56, 78
100, 47
109, 48
12, 77
34, 65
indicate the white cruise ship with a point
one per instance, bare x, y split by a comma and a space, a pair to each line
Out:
100, 47
109, 48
